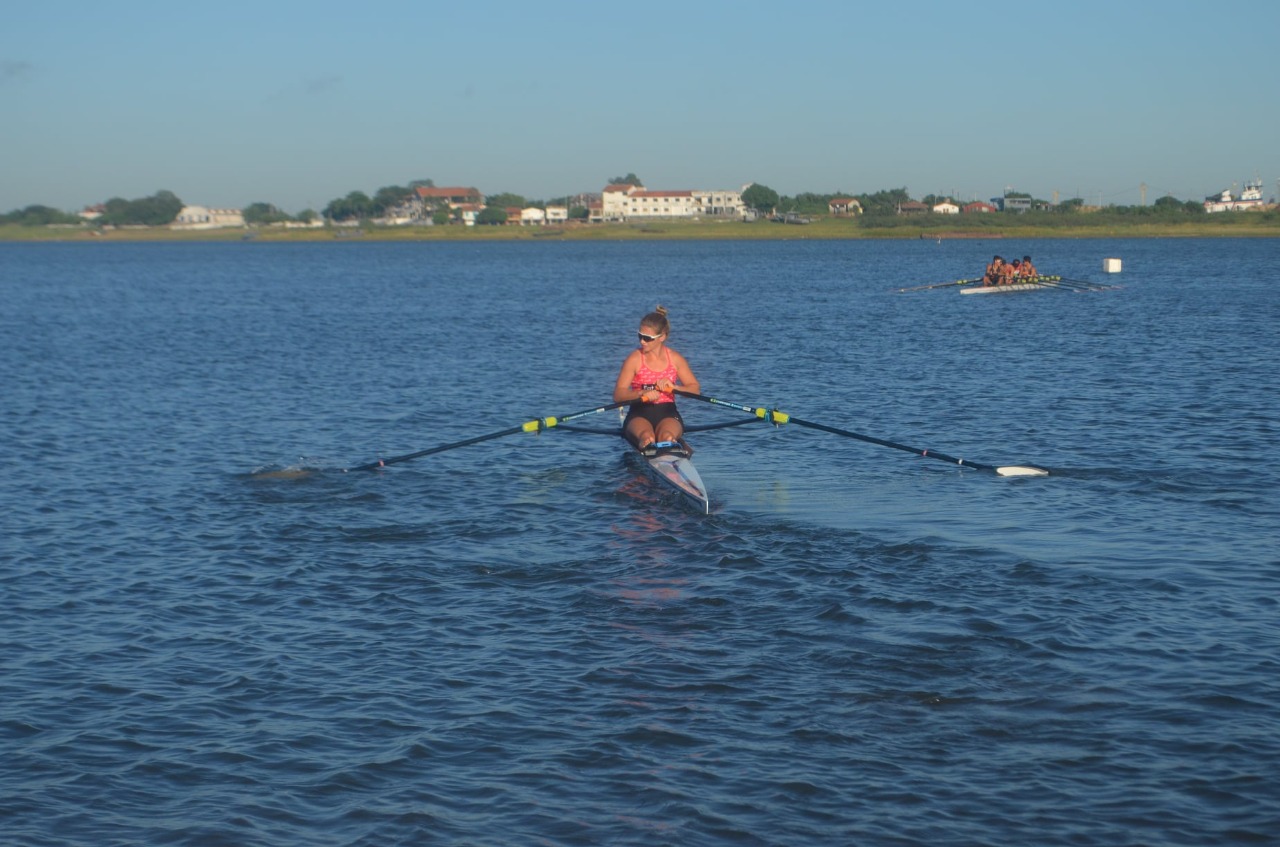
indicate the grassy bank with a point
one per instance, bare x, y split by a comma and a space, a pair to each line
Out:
995, 227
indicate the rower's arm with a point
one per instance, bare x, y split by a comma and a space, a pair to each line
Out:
685, 378
622, 390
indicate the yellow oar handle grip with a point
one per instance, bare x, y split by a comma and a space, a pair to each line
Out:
539, 425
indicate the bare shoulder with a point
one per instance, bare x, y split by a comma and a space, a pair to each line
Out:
677, 358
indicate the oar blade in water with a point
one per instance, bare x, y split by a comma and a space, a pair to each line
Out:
1021, 470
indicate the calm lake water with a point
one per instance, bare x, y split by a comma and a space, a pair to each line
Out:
526, 642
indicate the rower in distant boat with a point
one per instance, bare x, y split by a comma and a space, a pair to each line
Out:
1008, 273
1028, 269
992, 276
648, 378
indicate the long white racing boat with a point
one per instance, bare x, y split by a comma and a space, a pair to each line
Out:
1004, 289
668, 462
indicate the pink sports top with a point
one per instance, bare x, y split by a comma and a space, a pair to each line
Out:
646, 375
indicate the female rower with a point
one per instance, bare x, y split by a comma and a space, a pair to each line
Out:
1028, 269
648, 379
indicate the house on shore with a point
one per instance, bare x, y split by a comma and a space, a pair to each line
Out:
448, 197
202, 217
1008, 203
844, 206
631, 202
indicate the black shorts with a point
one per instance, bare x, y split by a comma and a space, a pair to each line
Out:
654, 413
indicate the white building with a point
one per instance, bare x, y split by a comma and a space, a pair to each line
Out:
613, 201
1250, 198
202, 217
631, 202
946, 208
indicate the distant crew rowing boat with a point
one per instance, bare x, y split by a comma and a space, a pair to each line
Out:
1001, 272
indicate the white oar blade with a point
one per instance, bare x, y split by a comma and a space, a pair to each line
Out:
1021, 470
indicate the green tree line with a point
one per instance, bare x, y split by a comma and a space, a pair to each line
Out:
157, 210
880, 208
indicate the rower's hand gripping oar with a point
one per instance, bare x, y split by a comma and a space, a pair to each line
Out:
537, 425
778, 418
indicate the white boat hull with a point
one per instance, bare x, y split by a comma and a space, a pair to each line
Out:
1004, 289
677, 472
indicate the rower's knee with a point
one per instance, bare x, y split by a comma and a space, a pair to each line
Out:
670, 433
641, 434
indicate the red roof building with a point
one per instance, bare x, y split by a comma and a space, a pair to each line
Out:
452, 196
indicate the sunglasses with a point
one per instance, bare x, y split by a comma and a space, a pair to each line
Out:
644, 337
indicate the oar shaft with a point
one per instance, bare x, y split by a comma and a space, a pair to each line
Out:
1085, 285
776, 417
536, 425
932, 454
1072, 285
940, 285
379, 463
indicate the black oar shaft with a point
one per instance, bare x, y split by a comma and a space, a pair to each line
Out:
932, 454
776, 417
1085, 285
940, 285
379, 463
536, 425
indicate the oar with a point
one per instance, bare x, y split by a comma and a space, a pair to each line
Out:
941, 285
528, 426
778, 418
1076, 285
1085, 285
1052, 282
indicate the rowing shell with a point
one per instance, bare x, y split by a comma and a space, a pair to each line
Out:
670, 465
1004, 289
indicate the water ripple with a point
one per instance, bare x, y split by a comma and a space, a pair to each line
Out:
210, 640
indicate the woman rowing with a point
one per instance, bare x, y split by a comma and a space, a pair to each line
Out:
1028, 269
648, 379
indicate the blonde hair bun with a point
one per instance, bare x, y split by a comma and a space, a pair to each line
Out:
658, 320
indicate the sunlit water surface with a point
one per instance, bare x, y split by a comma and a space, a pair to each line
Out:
525, 642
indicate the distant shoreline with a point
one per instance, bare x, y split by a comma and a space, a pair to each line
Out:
662, 230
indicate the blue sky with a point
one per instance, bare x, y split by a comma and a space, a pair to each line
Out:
296, 104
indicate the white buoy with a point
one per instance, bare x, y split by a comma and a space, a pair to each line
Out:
1111, 266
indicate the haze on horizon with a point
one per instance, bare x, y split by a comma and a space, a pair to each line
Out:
297, 104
